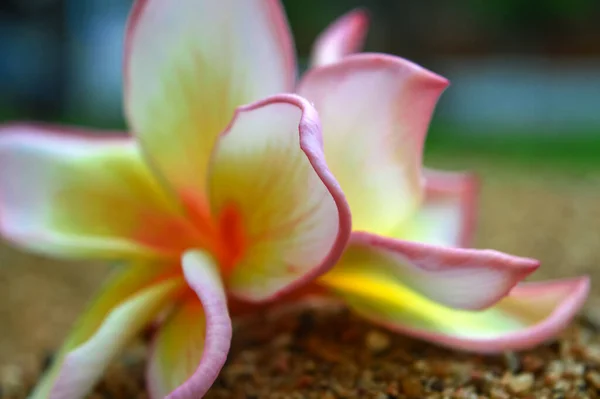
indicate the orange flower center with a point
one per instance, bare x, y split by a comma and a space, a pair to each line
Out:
232, 238
223, 235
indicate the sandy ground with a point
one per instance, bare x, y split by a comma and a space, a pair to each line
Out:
528, 211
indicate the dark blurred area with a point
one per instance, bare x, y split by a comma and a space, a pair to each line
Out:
524, 72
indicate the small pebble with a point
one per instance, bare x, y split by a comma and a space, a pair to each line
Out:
377, 342
412, 387
513, 363
328, 395
520, 383
592, 353
436, 385
573, 369
421, 366
392, 389
310, 366
593, 378
532, 363
498, 393
282, 341
11, 381
556, 367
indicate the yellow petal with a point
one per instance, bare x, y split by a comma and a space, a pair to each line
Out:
375, 110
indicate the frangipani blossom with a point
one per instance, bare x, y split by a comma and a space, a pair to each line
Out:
205, 207
404, 266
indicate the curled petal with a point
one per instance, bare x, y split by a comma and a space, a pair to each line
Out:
447, 215
344, 36
127, 302
458, 278
375, 111
187, 67
282, 213
69, 194
192, 344
531, 314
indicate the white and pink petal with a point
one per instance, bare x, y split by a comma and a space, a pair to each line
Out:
447, 215
125, 304
532, 314
458, 278
375, 110
280, 208
188, 67
75, 193
191, 345
344, 36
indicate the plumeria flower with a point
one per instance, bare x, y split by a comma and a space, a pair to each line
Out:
210, 211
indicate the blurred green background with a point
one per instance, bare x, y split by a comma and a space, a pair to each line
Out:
525, 74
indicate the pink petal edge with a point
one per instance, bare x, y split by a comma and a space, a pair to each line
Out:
418, 77
44, 130
577, 292
273, 8
465, 183
447, 258
311, 143
206, 284
344, 36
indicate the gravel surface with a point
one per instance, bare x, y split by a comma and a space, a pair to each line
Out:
329, 353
